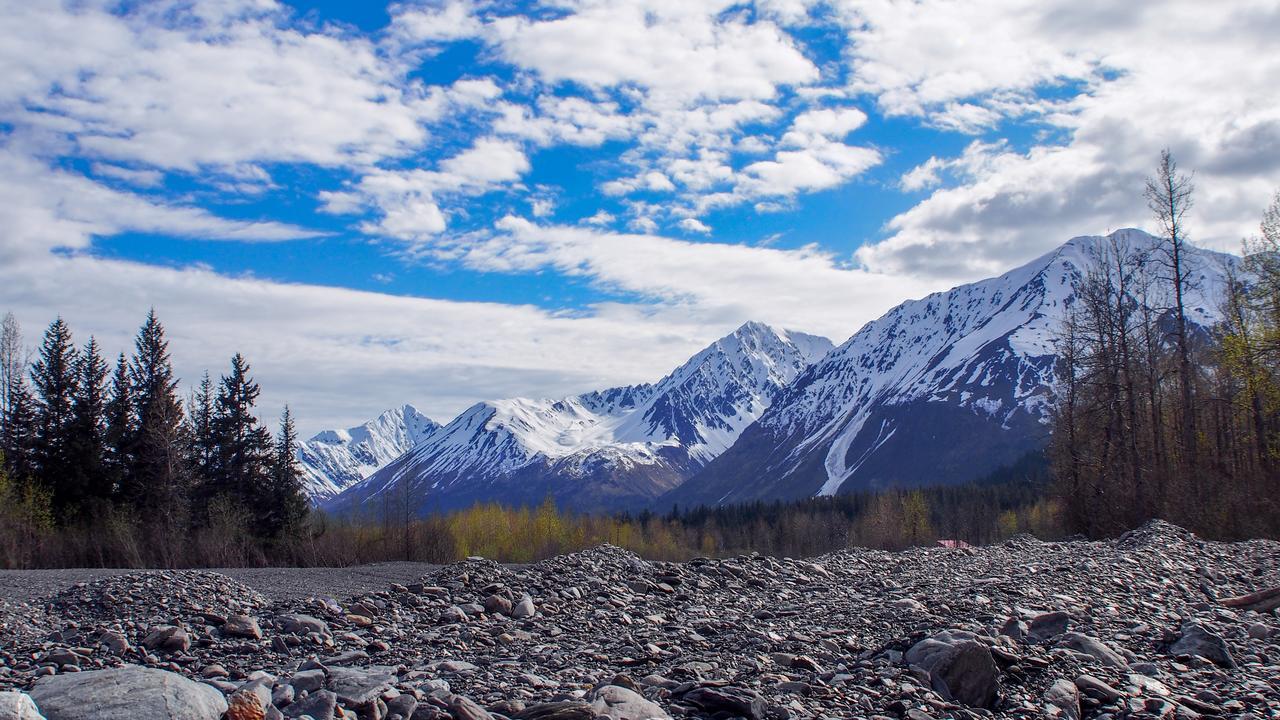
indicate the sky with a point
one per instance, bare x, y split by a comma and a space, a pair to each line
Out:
442, 202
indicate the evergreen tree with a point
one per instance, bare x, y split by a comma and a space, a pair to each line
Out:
241, 468
56, 385
120, 427
157, 478
288, 505
18, 432
203, 443
87, 443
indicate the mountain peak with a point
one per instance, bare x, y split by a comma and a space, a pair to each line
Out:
605, 449
333, 460
974, 362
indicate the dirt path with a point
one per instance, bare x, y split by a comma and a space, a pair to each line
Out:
275, 583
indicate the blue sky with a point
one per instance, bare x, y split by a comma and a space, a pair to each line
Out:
444, 201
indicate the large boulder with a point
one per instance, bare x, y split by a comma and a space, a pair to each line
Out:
1196, 640
18, 706
960, 668
619, 703
1095, 648
126, 693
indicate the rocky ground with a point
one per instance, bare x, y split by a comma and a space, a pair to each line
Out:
1141, 627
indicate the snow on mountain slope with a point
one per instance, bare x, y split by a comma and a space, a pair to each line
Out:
606, 449
943, 389
334, 460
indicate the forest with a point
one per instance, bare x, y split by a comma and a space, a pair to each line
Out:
103, 466
1155, 416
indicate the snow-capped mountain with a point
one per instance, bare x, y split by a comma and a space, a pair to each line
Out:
334, 460
944, 389
609, 449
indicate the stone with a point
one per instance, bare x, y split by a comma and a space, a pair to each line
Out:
620, 703
1097, 689
1094, 648
1258, 631
1064, 696
319, 705
126, 693
246, 705
730, 700
360, 686
464, 708
497, 605
115, 643
302, 624
167, 638
559, 710
524, 608
959, 668
242, 626
307, 680
1048, 625
1196, 640
19, 706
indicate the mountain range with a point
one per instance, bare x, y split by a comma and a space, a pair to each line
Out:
940, 390
334, 460
610, 449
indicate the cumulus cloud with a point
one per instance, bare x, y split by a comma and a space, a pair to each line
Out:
182, 87
48, 209
1183, 77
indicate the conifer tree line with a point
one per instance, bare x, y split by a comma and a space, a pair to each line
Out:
1156, 415
108, 456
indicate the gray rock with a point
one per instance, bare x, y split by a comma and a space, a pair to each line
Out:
360, 686
1064, 696
126, 693
524, 608
620, 703
242, 626
167, 638
18, 706
1048, 625
307, 680
959, 668
320, 705
559, 710
1094, 648
1196, 640
302, 624
464, 708
730, 700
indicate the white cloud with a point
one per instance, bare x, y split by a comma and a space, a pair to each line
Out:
408, 201
923, 176
694, 225
46, 209
181, 87
601, 217
676, 53
712, 283
1191, 77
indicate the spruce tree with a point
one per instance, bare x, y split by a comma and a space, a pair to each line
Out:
289, 505
203, 444
56, 385
18, 432
87, 443
242, 463
157, 479
120, 427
